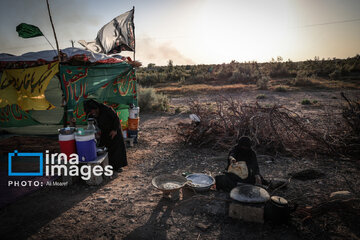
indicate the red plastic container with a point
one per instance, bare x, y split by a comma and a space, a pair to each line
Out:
67, 144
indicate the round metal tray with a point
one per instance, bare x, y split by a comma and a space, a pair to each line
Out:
247, 193
200, 182
168, 182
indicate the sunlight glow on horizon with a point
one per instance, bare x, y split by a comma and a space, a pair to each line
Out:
214, 32
200, 31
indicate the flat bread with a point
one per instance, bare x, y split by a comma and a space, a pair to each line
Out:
240, 169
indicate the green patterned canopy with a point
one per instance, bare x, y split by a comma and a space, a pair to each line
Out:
112, 84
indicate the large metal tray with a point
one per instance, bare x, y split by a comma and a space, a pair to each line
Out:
200, 181
247, 193
168, 182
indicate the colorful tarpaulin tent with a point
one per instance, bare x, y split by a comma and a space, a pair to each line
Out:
108, 79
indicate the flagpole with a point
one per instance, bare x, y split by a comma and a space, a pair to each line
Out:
49, 42
53, 28
59, 58
134, 29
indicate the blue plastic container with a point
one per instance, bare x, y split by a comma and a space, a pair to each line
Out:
86, 147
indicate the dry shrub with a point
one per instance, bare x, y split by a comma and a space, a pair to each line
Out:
273, 129
351, 115
263, 83
281, 89
304, 82
149, 100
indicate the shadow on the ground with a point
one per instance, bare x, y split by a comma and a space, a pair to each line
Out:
156, 226
26, 216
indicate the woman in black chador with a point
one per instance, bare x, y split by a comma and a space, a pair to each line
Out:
111, 135
242, 167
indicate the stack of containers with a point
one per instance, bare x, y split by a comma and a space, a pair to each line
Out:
133, 122
72, 140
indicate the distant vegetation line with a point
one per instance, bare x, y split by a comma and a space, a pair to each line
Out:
300, 73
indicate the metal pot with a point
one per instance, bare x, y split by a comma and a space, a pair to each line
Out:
277, 210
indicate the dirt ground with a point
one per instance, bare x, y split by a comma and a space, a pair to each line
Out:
129, 207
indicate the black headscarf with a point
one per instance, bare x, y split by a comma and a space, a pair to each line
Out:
244, 142
242, 150
89, 105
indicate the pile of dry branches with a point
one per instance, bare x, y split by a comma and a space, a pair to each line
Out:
330, 217
351, 116
274, 129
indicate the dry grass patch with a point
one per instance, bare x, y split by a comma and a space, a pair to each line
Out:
203, 88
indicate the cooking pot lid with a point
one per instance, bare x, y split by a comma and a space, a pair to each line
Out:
249, 194
279, 200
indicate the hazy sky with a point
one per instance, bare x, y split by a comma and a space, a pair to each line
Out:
196, 31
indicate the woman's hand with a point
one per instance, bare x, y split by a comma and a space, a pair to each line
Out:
112, 134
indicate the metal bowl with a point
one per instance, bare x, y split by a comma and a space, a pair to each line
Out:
200, 182
168, 182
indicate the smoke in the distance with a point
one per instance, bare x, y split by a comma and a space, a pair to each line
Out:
149, 50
